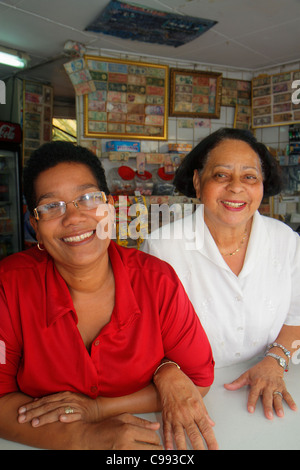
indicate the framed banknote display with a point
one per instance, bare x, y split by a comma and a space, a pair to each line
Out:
195, 94
130, 99
242, 117
37, 116
236, 92
272, 100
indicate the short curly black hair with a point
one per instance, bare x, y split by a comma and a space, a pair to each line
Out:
197, 159
51, 154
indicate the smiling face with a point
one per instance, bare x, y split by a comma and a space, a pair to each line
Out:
230, 185
70, 239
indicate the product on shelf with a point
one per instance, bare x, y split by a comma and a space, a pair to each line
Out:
163, 183
121, 180
144, 183
122, 146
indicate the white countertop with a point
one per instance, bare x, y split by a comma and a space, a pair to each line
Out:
235, 428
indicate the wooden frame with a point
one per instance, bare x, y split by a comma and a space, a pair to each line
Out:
242, 117
236, 92
272, 100
130, 101
195, 94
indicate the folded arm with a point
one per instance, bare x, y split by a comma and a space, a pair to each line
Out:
121, 432
181, 404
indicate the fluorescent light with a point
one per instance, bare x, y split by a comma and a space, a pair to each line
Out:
13, 58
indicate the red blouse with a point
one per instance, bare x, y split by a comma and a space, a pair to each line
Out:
44, 352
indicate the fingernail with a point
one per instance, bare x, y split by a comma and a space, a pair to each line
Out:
22, 409
270, 415
251, 409
22, 418
280, 413
35, 422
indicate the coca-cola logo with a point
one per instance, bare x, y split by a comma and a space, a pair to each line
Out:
7, 132
10, 132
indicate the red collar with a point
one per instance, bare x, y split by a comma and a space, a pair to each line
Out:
59, 301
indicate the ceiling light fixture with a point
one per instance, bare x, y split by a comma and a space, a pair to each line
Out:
13, 58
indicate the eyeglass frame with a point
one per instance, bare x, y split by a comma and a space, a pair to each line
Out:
64, 204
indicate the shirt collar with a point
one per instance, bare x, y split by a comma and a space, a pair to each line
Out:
126, 307
206, 245
258, 244
59, 300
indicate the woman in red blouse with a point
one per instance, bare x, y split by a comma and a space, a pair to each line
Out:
87, 323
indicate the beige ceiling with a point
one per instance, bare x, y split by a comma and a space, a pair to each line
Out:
250, 34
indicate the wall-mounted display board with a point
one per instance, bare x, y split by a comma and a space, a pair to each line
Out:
242, 117
130, 101
272, 103
37, 116
235, 92
195, 94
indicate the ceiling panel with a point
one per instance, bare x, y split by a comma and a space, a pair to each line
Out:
250, 34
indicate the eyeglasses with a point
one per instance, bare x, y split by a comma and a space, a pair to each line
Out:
86, 202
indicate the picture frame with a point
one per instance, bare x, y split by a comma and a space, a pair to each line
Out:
272, 103
37, 116
242, 117
130, 101
195, 93
236, 92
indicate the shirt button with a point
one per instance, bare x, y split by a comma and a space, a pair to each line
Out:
97, 342
94, 389
237, 354
238, 298
240, 328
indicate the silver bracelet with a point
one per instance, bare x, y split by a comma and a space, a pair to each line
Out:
163, 364
282, 362
277, 345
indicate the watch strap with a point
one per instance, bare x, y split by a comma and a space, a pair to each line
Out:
281, 361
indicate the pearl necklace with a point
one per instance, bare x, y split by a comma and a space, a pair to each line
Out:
238, 249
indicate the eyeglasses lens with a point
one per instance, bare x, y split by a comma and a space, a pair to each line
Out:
88, 201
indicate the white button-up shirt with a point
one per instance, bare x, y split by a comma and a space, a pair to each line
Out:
240, 314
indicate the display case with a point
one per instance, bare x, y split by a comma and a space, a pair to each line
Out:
11, 225
288, 202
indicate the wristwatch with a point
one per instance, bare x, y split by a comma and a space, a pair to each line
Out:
281, 361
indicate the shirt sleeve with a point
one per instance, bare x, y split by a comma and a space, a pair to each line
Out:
293, 317
184, 338
10, 350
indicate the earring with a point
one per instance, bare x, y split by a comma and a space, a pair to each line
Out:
41, 249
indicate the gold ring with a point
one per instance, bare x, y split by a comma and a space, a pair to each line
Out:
69, 410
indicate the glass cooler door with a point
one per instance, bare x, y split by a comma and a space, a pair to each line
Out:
10, 205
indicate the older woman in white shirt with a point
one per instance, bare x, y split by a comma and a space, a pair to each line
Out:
241, 270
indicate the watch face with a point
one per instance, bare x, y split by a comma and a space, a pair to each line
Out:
282, 362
